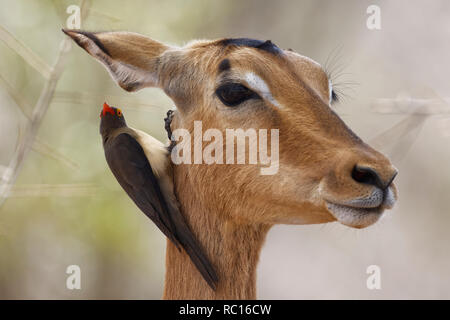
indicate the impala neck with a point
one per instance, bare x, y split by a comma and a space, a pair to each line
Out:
233, 249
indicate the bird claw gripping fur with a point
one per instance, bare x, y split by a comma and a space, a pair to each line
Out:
167, 122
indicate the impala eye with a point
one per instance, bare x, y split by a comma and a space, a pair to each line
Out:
232, 94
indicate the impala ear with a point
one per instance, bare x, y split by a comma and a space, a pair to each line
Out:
133, 60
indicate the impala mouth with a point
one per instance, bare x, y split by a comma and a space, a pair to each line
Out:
361, 213
353, 216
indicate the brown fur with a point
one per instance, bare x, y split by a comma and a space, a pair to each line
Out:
230, 208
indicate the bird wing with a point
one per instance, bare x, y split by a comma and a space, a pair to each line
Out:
132, 169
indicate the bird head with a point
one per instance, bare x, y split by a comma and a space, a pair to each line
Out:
111, 119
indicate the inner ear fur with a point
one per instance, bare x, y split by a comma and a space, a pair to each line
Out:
133, 60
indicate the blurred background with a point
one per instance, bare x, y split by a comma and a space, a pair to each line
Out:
60, 204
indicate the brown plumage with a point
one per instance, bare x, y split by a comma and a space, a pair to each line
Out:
145, 183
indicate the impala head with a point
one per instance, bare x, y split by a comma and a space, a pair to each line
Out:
325, 171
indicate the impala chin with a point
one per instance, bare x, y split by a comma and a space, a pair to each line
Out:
355, 217
363, 212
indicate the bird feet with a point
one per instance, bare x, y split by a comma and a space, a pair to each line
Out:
167, 122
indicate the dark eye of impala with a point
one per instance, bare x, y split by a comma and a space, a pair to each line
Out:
232, 94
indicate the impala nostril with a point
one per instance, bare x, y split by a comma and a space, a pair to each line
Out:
366, 175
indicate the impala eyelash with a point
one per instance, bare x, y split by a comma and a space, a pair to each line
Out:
334, 96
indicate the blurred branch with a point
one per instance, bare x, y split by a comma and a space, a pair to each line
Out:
39, 145
108, 17
400, 137
5, 174
26, 53
54, 190
89, 98
23, 105
412, 106
46, 150
40, 109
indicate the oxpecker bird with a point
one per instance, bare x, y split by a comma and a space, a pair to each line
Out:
141, 165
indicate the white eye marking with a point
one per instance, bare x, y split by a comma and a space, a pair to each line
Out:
260, 86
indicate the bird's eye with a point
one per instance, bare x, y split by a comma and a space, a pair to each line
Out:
232, 94
119, 112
